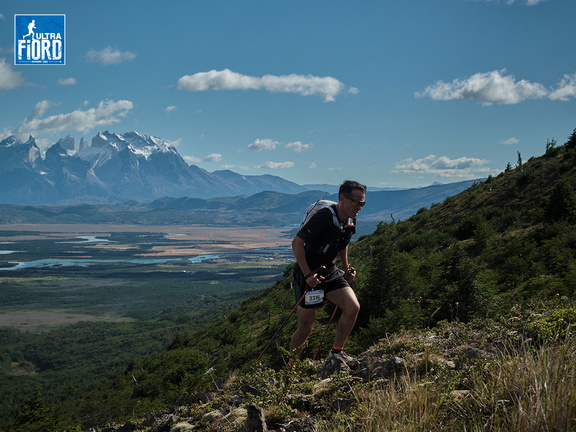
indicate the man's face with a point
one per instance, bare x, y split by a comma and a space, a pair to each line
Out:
352, 203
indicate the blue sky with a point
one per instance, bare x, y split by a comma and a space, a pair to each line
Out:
398, 93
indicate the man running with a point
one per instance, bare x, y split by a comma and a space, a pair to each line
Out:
318, 244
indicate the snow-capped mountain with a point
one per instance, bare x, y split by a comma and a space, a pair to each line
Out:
115, 168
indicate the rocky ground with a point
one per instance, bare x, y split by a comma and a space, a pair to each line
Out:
309, 394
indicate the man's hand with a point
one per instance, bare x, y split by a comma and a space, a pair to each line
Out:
350, 274
313, 278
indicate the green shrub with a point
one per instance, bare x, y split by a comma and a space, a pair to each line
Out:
558, 324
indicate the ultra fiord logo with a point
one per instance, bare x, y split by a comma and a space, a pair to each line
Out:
40, 39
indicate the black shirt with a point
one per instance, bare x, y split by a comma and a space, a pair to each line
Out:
323, 239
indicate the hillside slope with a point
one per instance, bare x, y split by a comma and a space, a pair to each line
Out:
490, 272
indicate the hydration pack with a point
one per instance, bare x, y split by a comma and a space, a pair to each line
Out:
316, 207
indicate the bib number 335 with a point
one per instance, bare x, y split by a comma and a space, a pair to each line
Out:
314, 297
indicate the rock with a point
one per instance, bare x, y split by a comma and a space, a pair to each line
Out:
381, 369
255, 421
126, 427
246, 389
212, 416
182, 427
333, 366
322, 388
236, 400
204, 397
307, 424
300, 402
236, 417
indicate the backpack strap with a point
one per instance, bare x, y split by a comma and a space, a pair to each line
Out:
335, 216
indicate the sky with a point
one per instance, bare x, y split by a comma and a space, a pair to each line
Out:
391, 93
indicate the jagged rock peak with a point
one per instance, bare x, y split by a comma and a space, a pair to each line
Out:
68, 143
10, 141
134, 141
83, 144
13, 141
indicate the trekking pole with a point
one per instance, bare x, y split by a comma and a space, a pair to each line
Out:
281, 327
286, 319
325, 331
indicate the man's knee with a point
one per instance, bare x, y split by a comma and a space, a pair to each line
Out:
356, 306
306, 320
305, 325
352, 307
346, 300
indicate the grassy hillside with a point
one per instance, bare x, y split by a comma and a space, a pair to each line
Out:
491, 270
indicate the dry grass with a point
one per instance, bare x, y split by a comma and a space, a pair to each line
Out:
526, 389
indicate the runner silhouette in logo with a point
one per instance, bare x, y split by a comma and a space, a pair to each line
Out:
31, 28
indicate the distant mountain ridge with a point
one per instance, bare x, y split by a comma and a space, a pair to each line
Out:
268, 208
115, 168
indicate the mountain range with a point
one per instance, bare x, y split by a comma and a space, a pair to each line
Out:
115, 168
146, 175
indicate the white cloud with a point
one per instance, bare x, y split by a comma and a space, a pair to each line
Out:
67, 81
297, 146
9, 78
510, 141
214, 157
526, 2
109, 56
261, 145
236, 167
170, 108
443, 166
566, 88
175, 143
306, 85
486, 88
191, 160
312, 165
277, 165
511, 2
496, 87
41, 107
107, 112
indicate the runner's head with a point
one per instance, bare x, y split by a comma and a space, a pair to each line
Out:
351, 197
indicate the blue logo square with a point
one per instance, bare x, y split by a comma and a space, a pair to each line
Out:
39, 39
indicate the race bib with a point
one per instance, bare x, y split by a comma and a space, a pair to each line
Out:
314, 297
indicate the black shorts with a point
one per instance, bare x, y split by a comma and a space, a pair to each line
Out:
334, 281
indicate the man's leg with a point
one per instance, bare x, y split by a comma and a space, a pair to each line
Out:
305, 324
345, 299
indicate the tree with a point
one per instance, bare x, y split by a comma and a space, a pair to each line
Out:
571, 143
550, 145
35, 417
562, 203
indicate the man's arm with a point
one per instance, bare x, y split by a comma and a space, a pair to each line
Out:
313, 279
343, 254
300, 254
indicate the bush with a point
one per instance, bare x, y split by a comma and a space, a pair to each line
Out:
557, 324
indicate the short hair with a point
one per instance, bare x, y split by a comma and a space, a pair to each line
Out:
349, 185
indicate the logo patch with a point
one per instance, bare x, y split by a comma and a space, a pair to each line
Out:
39, 39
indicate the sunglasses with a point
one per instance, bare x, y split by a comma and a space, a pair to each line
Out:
355, 202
